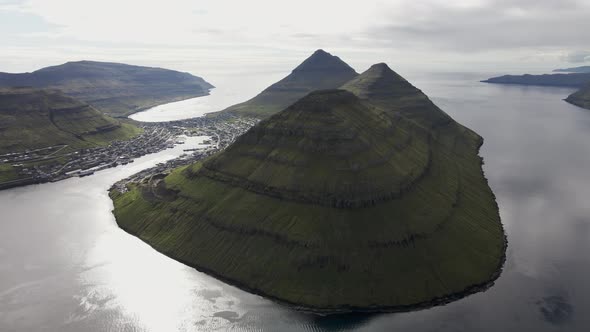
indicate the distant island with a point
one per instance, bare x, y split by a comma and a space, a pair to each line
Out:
363, 197
582, 69
116, 89
579, 79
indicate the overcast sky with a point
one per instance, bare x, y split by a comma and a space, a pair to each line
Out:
221, 35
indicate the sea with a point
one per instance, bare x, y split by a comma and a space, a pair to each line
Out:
66, 266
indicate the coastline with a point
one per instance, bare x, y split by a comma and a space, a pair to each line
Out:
342, 310
573, 102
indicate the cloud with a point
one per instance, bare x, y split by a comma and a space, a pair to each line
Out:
491, 25
578, 57
454, 31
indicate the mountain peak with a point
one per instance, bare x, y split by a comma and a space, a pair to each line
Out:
320, 52
379, 79
320, 71
322, 61
380, 66
384, 87
383, 71
328, 137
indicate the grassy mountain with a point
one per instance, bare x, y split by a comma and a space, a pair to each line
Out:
387, 90
320, 71
116, 89
37, 118
372, 201
565, 80
583, 69
580, 98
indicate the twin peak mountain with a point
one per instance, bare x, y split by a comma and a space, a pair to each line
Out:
355, 192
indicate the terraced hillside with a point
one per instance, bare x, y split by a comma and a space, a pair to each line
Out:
38, 118
580, 98
337, 203
113, 88
320, 71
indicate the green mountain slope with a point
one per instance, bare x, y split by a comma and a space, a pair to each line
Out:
320, 71
387, 90
37, 118
337, 203
580, 98
116, 89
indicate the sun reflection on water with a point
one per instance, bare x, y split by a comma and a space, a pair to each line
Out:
157, 293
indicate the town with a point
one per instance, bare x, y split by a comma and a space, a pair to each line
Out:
59, 162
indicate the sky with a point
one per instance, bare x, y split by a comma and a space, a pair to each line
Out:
220, 36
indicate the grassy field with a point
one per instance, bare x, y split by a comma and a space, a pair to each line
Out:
338, 202
320, 71
580, 98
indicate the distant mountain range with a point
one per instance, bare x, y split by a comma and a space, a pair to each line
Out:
366, 196
583, 69
113, 88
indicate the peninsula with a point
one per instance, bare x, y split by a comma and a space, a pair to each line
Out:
363, 198
580, 78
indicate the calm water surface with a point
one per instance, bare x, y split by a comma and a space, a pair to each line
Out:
230, 90
65, 266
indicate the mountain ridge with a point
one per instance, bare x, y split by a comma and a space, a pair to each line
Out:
114, 88
385, 88
582, 69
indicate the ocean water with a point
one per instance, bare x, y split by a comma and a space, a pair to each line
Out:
66, 266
